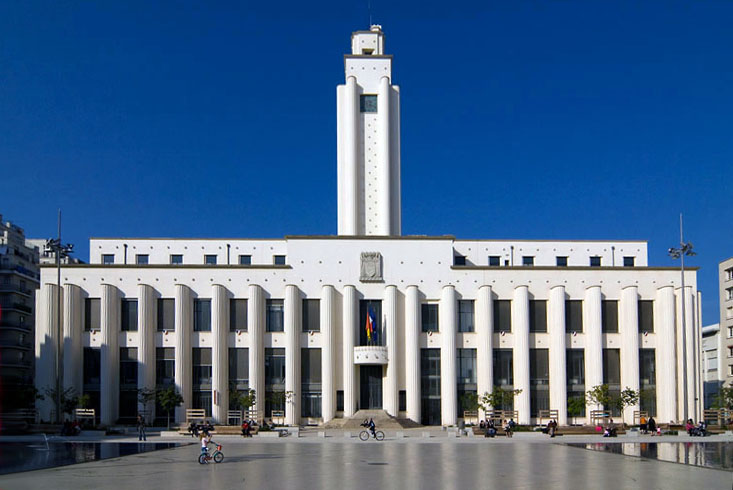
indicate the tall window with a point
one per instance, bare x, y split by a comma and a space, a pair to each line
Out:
238, 371
646, 316
92, 314
648, 381
538, 315
573, 316
539, 381
311, 315
430, 386
274, 315
504, 373
375, 306
165, 366
201, 379
612, 375
575, 374
166, 314
91, 375
609, 316
466, 364
310, 378
274, 379
237, 315
129, 315
502, 315
202, 315
429, 317
465, 315
128, 383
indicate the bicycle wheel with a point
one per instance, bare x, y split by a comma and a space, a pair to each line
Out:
202, 458
363, 435
218, 457
379, 435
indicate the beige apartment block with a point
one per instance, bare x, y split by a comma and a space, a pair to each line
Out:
725, 280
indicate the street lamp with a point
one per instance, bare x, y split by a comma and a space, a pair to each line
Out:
60, 250
679, 253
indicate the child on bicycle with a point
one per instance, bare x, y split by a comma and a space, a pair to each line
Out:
205, 440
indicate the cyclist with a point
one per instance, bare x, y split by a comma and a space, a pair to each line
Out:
205, 439
372, 427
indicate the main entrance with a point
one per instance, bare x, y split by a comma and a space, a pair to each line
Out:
371, 387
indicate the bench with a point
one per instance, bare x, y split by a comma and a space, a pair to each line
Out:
85, 413
546, 415
29, 415
235, 416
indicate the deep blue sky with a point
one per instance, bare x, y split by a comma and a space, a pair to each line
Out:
547, 120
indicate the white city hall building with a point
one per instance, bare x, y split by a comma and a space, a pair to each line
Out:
552, 318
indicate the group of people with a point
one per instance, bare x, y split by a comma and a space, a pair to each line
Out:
551, 428
196, 429
71, 428
649, 426
701, 429
247, 427
490, 429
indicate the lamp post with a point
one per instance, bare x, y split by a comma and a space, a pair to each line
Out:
679, 253
60, 250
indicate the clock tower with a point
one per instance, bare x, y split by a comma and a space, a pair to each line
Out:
368, 133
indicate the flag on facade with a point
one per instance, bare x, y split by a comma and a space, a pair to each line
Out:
370, 324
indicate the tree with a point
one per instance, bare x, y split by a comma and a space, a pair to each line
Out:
576, 406
627, 398
601, 395
241, 400
724, 398
69, 398
84, 400
280, 398
470, 401
498, 399
145, 396
169, 399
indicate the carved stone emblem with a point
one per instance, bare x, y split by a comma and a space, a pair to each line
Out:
371, 267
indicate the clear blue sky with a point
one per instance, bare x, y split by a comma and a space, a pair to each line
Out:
545, 120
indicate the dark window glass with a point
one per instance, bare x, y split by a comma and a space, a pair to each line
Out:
245, 260
575, 370
310, 369
274, 366
609, 314
648, 381
402, 401
502, 315
628, 261
368, 103
430, 386
573, 316
128, 368
465, 315
538, 315
141, 259
340, 400
239, 367
176, 259
561, 261
466, 366
202, 399
429, 317
92, 368
92, 314
503, 367
237, 315
539, 381
274, 321
278, 259
311, 315
646, 316
595, 261
201, 360
108, 259
375, 306
527, 260
129, 315
165, 366
166, 314
202, 315
459, 260
494, 260
210, 259
612, 375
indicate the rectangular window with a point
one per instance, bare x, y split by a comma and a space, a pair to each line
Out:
402, 401
527, 260
340, 401
494, 260
648, 381
729, 294
730, 332
573, 316
202, 367
128, 312
612, 375
274, 380
459, 259
210, 259
629, 261
503, 367
575, 376
729, 274
430, 386
730, 351
128, 368
646, 316
108, 259
311, 315
595, 261
92, 314
561, 261
368, 103
239, 367
245, 260
375, 306
92, 368
274, 311
466, 382
202, 315
166, 314
465, 315
165, 366
609, 316
278, 259
237, 315
176, 259
502, 315
537, 315
429, 317
311, 389
539, 381
141, 259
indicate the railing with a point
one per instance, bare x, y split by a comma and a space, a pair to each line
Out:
27, 414
499, 416
548, 415
640, 414
720, 416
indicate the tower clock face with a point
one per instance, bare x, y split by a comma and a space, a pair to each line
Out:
368, 103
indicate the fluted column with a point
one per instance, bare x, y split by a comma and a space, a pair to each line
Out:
146, 320
664, 318
46, 346
593, 342
73, 349
448, 376
220, 353
412, 352
485, 334
350, 191
184, 327
256, 329
349, 325
391, 392
520, 331
557, 354
690, 350
110, 355
384, 201
293, 327
629, 330
328, 395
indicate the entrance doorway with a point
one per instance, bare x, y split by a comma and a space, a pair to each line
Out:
371, 387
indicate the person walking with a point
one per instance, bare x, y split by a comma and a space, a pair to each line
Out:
141, 428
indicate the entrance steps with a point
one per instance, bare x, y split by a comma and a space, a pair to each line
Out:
381, 418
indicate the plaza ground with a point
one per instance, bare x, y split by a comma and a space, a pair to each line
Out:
440, 462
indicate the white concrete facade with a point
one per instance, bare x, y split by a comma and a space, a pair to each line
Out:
369, 267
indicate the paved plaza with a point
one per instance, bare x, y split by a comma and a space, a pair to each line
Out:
439, 462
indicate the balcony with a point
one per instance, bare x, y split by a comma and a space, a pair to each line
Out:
370, 355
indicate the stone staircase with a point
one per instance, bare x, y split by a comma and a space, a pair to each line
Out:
381, 418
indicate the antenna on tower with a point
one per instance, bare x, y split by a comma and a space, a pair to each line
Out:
369, 6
